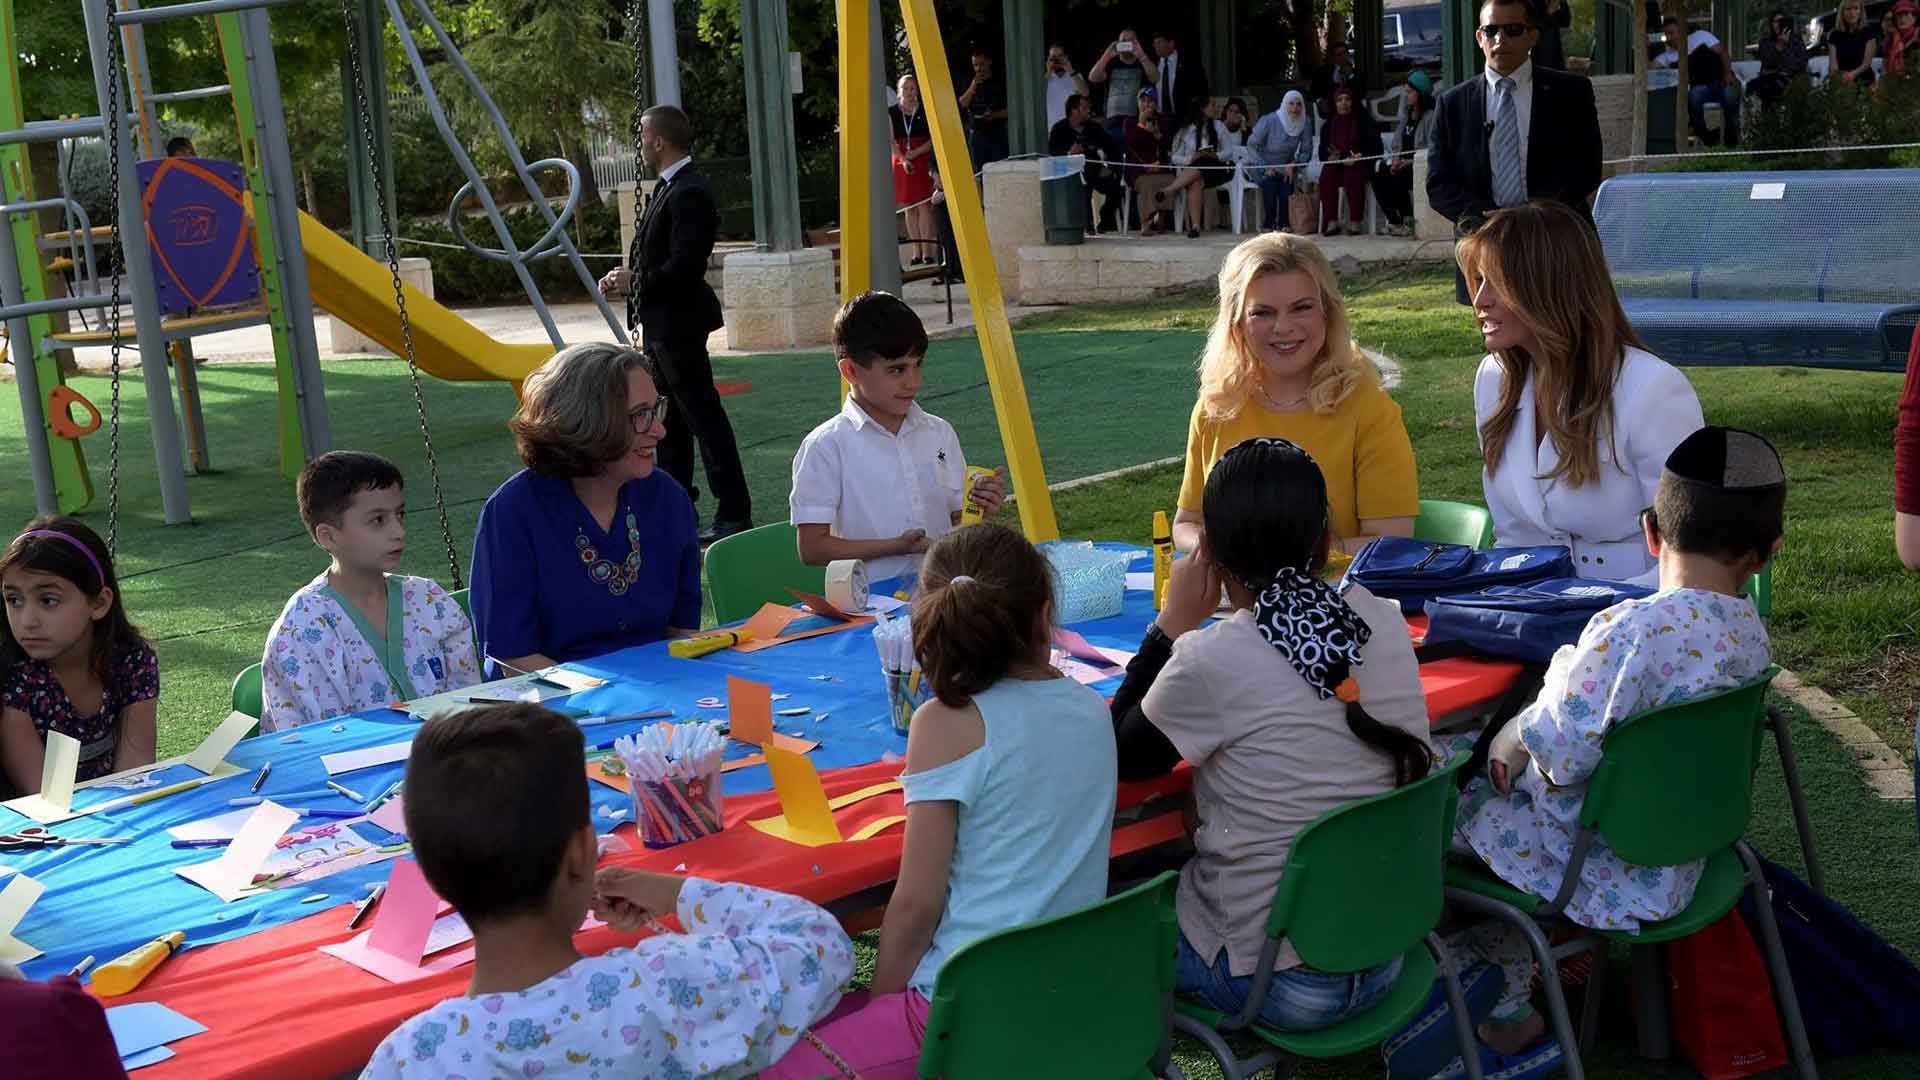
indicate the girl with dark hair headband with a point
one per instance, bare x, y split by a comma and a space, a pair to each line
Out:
1303, 698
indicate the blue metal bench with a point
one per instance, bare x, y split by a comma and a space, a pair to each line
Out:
1812, 269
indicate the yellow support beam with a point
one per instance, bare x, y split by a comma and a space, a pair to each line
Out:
990, 324
856, 130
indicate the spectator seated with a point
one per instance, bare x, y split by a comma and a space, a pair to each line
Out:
1777, 268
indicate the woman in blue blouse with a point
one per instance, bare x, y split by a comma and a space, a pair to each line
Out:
590, 548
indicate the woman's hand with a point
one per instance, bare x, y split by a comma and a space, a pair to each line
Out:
1193, 592
628, 899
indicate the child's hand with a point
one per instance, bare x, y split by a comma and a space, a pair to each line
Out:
1507, 757
628, 899
1193, 592
990, 493
913, 542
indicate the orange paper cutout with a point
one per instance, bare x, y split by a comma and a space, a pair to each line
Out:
749, 710
768, 627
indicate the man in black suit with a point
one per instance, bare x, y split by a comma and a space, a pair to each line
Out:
674, 309
1182, 80
1513, 133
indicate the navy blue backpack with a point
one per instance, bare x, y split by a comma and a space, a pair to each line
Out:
1415, 571
1523, 622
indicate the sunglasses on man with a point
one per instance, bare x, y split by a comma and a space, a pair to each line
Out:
1491, 31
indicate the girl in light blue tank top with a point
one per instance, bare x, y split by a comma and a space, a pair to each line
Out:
1010, 786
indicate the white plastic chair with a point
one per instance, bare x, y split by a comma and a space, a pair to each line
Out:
1237, 191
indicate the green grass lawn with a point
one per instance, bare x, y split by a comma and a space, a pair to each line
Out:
1109, 387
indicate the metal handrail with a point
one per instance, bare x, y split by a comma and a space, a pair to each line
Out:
544, 247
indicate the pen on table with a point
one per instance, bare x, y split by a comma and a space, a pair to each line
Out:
650, 714
380, 800
260, 779
532, 676
360, 909
346, 792
81, 968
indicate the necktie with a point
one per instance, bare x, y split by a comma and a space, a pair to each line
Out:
1509, 167
1171, 63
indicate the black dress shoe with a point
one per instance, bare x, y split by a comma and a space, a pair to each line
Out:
720, 530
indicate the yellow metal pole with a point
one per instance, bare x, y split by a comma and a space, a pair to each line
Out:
856, 128
976, 259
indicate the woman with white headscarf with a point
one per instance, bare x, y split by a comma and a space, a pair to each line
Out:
1281, 145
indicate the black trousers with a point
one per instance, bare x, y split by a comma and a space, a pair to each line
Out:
698, 416
1109, 185
1395, 192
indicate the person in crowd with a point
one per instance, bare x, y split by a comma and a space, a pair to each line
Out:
1062, 79
1575, 419
673, 307
1147, 167
1393, 182
1126, 70
1516, 133
1078, 134
360, 636
1852, 44
984, 102
1783, 59
1902, 36
1233, 117
502, 827
1716, 518
1183, 82
1010, 788
883, 478
943, 227
1304, 698
591, 547
1549, 18
912, 169
1349, 145
1200, 156
71, 662
181, 146
1906, 464
1281, 361
1710, 77
1335, 73
1282, 144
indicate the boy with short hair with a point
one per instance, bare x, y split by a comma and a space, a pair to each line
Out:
358, 637
500, 819
882, 480
1718, 516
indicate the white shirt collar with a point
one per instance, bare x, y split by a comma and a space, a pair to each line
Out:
1522, 77
670, 171
860, 418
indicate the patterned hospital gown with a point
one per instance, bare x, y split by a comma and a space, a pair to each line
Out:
725, 999
1669, 647
318, 666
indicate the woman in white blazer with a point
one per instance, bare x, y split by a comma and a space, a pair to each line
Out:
1575, 419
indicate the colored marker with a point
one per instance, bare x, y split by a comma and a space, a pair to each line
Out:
360, 909
261, 779
650, 714
380, 800
82, 967
222, 842
346, 792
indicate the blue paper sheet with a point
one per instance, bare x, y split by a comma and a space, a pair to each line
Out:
145, 1058
105, 900
146, 1024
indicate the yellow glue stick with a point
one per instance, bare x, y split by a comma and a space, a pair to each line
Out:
1162, 558
692, 648
124, 973
971, 514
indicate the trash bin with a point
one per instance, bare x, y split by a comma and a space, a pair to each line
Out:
1063, 199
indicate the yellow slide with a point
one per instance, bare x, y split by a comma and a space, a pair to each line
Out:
359, 291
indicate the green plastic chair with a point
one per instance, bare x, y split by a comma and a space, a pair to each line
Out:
1443, 522
1362, 885
247, 695
1674, 784
459, 596
1087, 993
749, 569
1760, 589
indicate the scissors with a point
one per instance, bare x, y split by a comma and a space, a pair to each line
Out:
37, 837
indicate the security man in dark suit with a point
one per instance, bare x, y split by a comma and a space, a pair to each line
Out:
1515, 132
674, 309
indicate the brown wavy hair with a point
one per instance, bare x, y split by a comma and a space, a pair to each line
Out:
572, 420
985, 600
1544, 261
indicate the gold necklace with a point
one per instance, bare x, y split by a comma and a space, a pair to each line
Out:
1283, 406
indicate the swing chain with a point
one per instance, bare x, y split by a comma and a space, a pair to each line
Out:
637, 39
365, 114
117, 264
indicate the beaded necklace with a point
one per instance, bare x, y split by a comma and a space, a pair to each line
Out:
617, 577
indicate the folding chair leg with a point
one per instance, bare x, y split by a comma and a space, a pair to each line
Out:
1650, 987
1596, 995
1231, 1067
1550, 976
1802, 822
1463, 1033
1777, 967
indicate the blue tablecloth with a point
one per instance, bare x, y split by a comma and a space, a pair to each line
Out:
104, 900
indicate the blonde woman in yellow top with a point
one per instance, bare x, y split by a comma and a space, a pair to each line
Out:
1281, 362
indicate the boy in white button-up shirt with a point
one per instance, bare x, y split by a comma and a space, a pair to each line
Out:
882, 479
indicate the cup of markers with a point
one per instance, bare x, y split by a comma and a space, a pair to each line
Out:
906, 688
674, 777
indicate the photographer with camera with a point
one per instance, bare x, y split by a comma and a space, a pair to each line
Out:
1063, 80
1126, 69
985, 103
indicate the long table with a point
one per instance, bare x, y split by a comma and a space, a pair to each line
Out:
275, 1007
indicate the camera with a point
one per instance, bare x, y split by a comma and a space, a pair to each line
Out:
1123, 46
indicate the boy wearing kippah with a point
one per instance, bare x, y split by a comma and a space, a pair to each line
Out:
1717, 518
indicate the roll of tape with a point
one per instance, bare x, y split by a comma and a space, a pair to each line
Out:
847, 585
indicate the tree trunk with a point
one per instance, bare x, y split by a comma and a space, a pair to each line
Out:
581, 155
1682, 122
43, 158
1638, 146
1306, 39
306, 189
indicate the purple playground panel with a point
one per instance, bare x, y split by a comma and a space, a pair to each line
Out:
200, 232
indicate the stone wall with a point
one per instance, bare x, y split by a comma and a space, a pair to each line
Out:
1613, 96
779, 299
1012, 196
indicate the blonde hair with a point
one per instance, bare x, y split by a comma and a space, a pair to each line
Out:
1545, 264
1229, 370
1840, 17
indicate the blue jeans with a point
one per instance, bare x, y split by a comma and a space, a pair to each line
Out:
1728, 98
1298, 999
1275, 190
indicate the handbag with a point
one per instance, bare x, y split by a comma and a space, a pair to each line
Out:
1524, 622
1724, 1019
1303, 212
1415, 571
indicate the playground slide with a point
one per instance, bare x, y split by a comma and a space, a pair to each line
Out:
359, 291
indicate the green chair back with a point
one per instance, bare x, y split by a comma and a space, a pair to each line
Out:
749, 569
1760, 590
1088, 993
1675, 783
247, 695
1363, 882
1443, 522
459, 596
